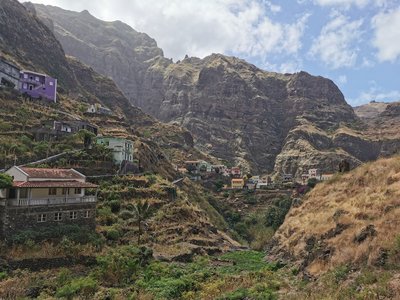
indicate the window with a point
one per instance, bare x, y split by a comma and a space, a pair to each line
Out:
26, 76
65, 191
78, 191
41, 218
51, 83
52, 191
86, 214
57, 216
73, 215
25, 86
37, 78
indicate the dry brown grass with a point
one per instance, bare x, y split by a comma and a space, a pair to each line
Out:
369, 195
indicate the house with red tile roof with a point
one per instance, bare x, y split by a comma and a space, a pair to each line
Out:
42, 197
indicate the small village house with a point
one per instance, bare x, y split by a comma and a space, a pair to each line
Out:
219, 169
304, 178
122, 148
263, 182
74, 126
251, 184
236, 172
193, 166
9, 74
204, 166
98, 109
314, 173
325, 177
46, 197
287, 177
38, 85
237, 183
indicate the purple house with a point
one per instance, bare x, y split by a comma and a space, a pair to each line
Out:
38, 85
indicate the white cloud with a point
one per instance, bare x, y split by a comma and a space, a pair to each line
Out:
273, 7
336, 44
376, 94
346, 4
387, 35
199, 28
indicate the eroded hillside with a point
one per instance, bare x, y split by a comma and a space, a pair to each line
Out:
350, 220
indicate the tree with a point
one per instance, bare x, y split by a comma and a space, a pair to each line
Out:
6, 181
23, 117
86, 136
141, 210
312, 182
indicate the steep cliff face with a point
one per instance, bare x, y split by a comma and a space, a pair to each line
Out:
260, 120
25, 38
110, 48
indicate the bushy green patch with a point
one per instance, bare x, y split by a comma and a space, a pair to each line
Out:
245, 261
258, 292
276, 214
121, 265
82, 286
75, 233
5, 181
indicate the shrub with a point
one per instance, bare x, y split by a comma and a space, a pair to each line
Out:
312, 182
74, 233
115, 205
152, 179
3, 275
6, 181
105, 216
84, 286
126, 214
113, 234
276, 214
120, 265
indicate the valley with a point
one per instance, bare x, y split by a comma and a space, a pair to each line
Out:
126, 175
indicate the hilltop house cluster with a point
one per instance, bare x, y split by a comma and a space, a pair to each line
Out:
196, 168
30, 83
260, 182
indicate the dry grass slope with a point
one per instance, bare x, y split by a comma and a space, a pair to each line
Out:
352, 219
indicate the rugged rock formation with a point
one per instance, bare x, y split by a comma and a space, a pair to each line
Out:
110, 48
261, 120
370, 110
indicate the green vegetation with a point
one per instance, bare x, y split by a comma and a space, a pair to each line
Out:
6, 181
275, 214
74, 233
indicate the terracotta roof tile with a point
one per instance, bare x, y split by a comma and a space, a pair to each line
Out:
51, 173
46, 184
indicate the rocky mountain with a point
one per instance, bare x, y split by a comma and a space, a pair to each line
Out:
370, 110
261, 120
110, 48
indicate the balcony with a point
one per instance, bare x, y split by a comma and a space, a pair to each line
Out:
48, 201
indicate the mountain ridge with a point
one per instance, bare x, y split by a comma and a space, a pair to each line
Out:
263, 121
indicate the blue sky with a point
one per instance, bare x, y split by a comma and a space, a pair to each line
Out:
356, 43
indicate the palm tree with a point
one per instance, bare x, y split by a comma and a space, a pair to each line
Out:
141, 210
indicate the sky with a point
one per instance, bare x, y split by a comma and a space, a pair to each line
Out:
356, 43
